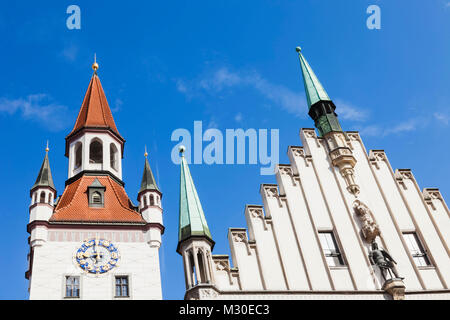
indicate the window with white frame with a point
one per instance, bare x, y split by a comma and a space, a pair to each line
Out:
122, 286
330, 249
72, 287
416, 249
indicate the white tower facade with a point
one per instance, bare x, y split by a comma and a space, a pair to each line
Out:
92, 242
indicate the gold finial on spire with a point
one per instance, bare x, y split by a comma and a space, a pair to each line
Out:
95, 64
298, 49
182, 149
47, 149
145, 154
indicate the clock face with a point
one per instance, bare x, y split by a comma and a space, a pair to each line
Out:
97, 256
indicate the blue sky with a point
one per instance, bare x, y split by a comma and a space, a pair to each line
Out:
230, 64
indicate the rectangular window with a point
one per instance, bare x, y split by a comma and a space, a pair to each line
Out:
122, 286
330, 249
416, 249
72, 287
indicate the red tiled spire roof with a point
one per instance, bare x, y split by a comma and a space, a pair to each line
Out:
95, 111
74, 204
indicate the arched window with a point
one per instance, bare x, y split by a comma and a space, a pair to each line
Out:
145, 201
96, 152
113, 155
50, 199
152, 200
192, 271
78, 150
201, 267
42, 197
96, 198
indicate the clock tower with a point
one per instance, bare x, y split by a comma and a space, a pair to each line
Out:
92, 242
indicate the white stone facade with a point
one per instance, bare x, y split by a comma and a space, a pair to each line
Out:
281, 256
54, 260
83, 142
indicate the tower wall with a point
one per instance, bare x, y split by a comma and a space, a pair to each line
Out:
55, 259
94, 205
85, 140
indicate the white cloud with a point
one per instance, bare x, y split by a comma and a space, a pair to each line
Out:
347, 111
442, 117
405, 126
212, 123
221, 79
70, 52
238, 117
118, 103
38, 108
383, 131
181, 86
294, 102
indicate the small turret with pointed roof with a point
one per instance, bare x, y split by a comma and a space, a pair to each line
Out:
150, 205
195, 242
321, 108
43, 193
148, 180
192, 218
44, 178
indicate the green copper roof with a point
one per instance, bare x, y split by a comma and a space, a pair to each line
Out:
313, 88
148, 181
44, 178
192, 218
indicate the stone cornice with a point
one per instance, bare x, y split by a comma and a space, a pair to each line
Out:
93, 225
94, 173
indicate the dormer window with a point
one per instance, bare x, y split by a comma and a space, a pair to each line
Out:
96, 198
96, 194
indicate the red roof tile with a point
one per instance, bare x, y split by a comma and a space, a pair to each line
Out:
74, 203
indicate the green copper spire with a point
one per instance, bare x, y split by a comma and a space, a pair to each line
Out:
313, 88
192, 219
148, 180
321, 108
44, 178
